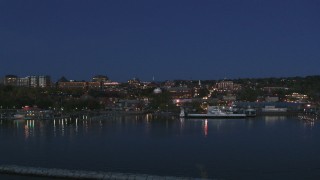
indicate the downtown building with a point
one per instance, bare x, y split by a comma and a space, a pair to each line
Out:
10, 80
98, 82
29, 81
39, 81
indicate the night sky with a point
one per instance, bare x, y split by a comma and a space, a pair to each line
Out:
169, 40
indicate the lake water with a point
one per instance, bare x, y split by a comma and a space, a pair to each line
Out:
266, 147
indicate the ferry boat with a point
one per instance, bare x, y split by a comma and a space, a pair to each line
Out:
213, 112
29, 113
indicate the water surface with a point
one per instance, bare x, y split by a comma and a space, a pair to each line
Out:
267, 147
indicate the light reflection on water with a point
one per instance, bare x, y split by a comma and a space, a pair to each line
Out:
29, 129
83, 126
205, 128
217, 148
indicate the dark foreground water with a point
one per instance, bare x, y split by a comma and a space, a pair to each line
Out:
268, 147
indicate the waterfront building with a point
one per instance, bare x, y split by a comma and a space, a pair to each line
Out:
273, 109
259, 105
271, 99
130, 104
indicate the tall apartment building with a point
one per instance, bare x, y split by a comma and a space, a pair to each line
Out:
33, 81
23, 82
44, 81
10, 80
39, 81
30, 81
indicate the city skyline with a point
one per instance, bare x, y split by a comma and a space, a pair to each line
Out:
162, 39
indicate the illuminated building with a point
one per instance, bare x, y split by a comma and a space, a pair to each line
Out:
10, 80
94, 85
157, 91
30, 81
33, 81
23, 82
39, 81
297, 98
180, 92
44, 81
72, 85
100, 78
97, 82
225, 85
79, 85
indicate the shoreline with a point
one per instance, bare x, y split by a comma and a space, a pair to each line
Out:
80, 174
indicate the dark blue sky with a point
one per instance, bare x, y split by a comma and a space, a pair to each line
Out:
179, 39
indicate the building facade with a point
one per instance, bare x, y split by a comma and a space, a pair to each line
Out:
11, 80
225, 86
23, 82
44, 81
100, 78
39, 81
30, 81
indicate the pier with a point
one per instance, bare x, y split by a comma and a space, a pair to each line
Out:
78, 174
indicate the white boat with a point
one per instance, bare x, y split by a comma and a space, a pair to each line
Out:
182, 113
250, 112
213, 112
